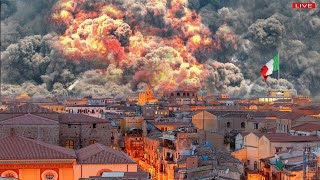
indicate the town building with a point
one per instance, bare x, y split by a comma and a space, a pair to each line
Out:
89, 110
286, 121
122, 110
220, 122
257, 146
68, 130
259, 125
280, 96
183, 97
26, 159
289, 165
147, 97
306, 129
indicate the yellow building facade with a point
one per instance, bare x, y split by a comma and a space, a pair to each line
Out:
146, 97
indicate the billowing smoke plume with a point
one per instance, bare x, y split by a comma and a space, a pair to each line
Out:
34, 59
114, 48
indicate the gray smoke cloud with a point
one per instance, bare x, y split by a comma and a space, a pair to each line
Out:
249, 32
32, 90
226, 78
20, 18
34, 60
99, 83
262, 28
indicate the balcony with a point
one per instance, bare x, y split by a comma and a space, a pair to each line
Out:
168, 144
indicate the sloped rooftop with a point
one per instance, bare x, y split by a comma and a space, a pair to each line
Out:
101, 154
21, 148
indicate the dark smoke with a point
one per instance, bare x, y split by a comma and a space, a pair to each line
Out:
249, 32
34, 59
264, 27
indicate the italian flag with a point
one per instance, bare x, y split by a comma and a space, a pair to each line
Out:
270, 67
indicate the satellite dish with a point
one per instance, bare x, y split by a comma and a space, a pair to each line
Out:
286, 162
227, 171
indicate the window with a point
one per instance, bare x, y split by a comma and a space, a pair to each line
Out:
69, 125
49, 175
9, 174
228, 124
248, 162
278, 149
70, 144
255, 126
243, 125
195, 142
255, 165
94, 125
93, 141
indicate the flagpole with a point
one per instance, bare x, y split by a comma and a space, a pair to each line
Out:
278, 68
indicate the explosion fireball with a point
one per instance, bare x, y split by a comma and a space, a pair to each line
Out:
163, 44
116, 47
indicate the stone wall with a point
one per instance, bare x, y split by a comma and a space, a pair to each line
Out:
44, 133
82, 134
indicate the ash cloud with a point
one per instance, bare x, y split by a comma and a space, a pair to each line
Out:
263, 28
20, 18
159, 43
34, 59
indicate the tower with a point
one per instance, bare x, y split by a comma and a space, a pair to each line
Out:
146, 97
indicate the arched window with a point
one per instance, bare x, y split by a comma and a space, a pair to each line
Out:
70, 144
243, 125
93, 141
49, 175
255, 165
102, 171
228, 124
9, 174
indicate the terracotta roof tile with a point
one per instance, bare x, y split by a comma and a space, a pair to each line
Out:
19, 148
281, 137
101, 154
29, 119
307, 127
291, 116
